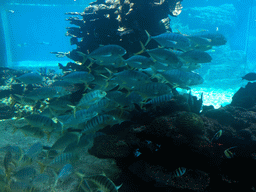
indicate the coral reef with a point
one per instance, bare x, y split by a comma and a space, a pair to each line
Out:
120, 22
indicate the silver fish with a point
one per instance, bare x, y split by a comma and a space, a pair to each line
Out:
128, 78
46, 92
42, 121
152, 89
181, 78
171, 40
79, 77
79, 117
196, 56
65, 171
103, 183
30, 78
97, 123
64, 141
139, 62
91, 98
165, 57
161, 99
34, 150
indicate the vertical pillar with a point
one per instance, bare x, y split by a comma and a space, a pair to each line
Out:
5, 47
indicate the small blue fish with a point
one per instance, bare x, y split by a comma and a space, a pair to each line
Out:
137, 153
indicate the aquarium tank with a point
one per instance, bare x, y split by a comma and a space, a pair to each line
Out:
95, 95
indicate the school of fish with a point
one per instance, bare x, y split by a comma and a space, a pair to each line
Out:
110, 88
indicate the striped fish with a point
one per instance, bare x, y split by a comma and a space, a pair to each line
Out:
103, 183
65, 140
63, 159
34, 150
98, 122
179, 172
160, 99
80, 116
91, 98
59, 161
152, 89
228, 153
216, 136
44, 122
79, 77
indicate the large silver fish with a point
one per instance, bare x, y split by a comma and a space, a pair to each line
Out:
171, 40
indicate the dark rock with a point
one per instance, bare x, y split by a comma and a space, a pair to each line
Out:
110, 146
245, 97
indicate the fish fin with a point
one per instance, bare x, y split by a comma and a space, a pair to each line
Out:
55, 178
107, 55
20, 96
174, 42
88, 67
179, 31
209, 40
79, 136
104, 76
74, 108
117, 187
83, 55
15, 129
80, 175
142, 49
129, 92
110, 72
42, 166
149, 37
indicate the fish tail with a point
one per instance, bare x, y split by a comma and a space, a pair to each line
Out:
56, 180
82, 55
42, 166
143, 49
149, 37
15, 129
74, 108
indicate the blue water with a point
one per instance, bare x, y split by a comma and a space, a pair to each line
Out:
37, 30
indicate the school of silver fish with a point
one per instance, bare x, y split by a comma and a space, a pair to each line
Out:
111, 87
